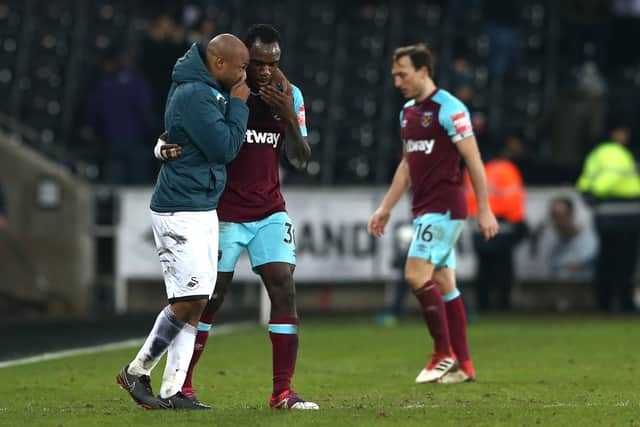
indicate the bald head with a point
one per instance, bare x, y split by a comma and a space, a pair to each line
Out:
226, 45
227, 59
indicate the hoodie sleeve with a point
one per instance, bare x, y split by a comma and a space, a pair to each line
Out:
218, 136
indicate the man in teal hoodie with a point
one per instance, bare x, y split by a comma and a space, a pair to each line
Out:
206, 114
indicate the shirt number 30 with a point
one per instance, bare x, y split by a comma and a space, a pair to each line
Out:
424, 234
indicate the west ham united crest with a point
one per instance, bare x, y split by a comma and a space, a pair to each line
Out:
427, 118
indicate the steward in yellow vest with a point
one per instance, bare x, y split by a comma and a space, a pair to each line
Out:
611, 184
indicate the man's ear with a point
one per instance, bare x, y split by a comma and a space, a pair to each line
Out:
219, 62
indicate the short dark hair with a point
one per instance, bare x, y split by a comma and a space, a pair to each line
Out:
564, 200
264, 32
419, 54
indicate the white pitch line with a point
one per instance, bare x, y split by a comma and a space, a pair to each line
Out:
217, 330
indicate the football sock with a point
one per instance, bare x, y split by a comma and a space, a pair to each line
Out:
164, 331
434, 315
457, 319
178, 358
284, 342
204, 327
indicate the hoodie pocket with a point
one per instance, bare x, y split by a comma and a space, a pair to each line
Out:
218, 178
212, 180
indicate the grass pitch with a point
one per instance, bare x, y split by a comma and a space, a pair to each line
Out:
531, 371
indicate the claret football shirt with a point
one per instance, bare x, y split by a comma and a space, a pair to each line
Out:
430, 129
253, 182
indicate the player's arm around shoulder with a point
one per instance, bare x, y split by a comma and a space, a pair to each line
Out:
215, 124
165, 151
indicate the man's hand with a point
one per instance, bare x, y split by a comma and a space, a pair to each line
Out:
240, 90
165, 151
280, 101
488, 224
378, 222
171, 151
280, 82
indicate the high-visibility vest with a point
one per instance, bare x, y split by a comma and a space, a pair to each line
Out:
506, 191
610, 172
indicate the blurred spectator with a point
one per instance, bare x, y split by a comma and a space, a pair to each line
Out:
533, 172
611, 184
191, 14
462, 80
572, 248
462, 87
119, 110
501, 19
204, 31
495, 271
576, 120
162, 45
586, 25
3, 208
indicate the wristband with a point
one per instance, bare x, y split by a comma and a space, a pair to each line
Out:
157, 150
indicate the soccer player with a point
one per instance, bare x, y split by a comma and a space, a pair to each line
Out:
436, 130
252, 210
206, 116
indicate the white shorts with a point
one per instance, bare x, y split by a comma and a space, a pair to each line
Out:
187, 244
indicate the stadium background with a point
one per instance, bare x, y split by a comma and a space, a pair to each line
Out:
558, 74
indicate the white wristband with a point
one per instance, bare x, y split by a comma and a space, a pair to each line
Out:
157, 150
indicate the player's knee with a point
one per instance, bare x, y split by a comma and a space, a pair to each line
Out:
445, 287
197, 307
282, 291
414, 279
217, 298
223, 282
189, 311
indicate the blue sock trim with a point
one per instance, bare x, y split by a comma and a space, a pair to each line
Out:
279, 328
204, 327
451, 296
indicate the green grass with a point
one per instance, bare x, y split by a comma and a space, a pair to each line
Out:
538, 371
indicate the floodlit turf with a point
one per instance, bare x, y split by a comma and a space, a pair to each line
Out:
536, 371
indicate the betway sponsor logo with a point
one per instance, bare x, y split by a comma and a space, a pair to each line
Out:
255, 137
425, 145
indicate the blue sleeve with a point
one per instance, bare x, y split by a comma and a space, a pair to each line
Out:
218, 136
455, 119
298, 106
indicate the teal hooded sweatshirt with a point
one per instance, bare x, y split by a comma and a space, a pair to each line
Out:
209, 126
